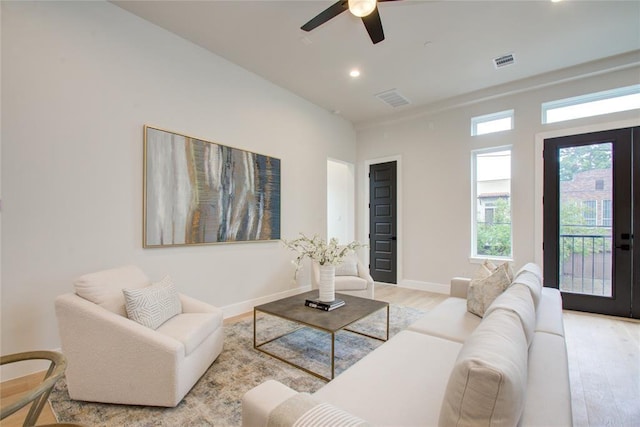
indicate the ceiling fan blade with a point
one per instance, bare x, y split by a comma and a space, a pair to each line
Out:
373, 24
331, 12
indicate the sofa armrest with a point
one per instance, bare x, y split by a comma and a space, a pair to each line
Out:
260, 401
459, 287
363, 273
192, 305
75, 314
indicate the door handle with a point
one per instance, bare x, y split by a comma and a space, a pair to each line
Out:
624, 247
394, 238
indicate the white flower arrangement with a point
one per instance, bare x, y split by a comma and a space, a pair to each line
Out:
319, 250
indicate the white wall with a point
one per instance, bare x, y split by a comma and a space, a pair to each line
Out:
436, 145
79, 81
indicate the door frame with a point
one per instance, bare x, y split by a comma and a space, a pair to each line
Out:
539, 172
619, 303
365, 209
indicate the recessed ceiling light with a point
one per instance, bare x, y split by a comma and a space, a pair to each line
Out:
354, 73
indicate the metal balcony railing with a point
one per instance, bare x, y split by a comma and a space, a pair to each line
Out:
585, 264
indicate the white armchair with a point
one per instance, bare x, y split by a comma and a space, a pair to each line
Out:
352, 277
113, 359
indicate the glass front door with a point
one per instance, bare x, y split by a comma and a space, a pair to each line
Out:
588, 221
585, 237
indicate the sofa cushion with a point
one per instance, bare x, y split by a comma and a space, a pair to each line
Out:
531, 268
532, 281
350, 283
489, 379
401, 383
449, 319
104, 288
191, 329
485, 287
549, 313
153, 305
517, 298
348, 266
304, 410
548, 401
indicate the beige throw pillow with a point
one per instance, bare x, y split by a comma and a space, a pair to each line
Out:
153, 305
485, 287
303, 409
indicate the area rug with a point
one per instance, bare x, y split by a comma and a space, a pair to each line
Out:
215, 400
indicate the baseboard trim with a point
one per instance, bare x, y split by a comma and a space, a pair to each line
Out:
243, 307
437, 288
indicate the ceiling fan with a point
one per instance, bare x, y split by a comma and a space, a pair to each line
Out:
367, 10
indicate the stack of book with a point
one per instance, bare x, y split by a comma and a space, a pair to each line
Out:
322, 305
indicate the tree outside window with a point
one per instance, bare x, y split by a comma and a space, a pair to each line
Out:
492, 198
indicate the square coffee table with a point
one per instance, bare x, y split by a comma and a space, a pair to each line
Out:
294, 310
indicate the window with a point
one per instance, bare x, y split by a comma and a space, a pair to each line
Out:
606, 213
491, 213
589, 212
490, 123
599, 184
593, 104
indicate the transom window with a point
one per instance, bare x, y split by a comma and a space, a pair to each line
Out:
593, 104
489, 123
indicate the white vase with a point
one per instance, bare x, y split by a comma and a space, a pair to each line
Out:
327, 283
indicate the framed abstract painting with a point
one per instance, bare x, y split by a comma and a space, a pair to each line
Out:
198, 192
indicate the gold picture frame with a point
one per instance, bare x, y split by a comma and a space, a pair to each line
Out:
198, 192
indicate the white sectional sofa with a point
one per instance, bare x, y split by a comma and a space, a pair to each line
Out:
450, 367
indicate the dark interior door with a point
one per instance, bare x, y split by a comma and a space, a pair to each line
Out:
383, 243
589, 221
635, 275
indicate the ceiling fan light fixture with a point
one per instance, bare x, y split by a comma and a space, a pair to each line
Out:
361, 8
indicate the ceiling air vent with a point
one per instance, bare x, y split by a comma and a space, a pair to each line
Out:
503, 61
393, 98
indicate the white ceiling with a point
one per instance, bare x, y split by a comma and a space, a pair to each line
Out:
434, 50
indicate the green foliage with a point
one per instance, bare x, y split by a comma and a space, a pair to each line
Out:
583, 158
576, 236
495, 239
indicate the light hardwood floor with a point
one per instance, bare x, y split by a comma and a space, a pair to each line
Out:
12, 390
604, 364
